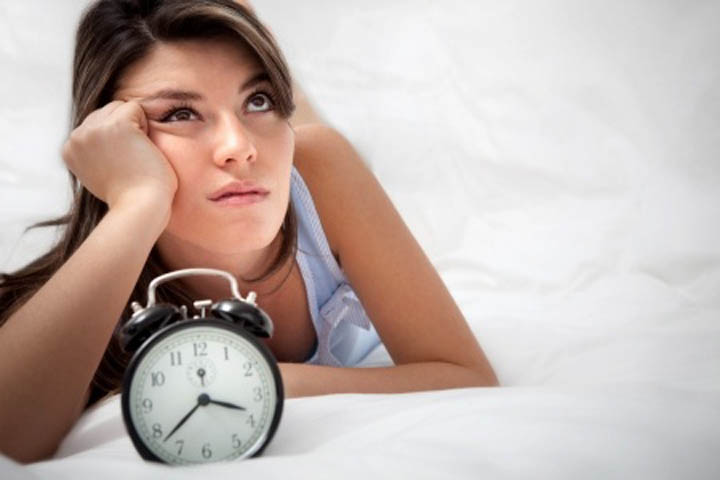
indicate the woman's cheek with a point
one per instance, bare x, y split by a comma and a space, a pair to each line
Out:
284, 143
176, 150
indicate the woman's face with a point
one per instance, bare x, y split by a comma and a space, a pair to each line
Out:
224, 128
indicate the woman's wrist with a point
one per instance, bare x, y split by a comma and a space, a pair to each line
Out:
154, 209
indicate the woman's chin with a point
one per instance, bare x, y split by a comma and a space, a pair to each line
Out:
178, 244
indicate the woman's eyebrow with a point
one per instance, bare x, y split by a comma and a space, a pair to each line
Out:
188, 95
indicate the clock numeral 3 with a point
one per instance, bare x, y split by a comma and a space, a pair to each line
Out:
258, 394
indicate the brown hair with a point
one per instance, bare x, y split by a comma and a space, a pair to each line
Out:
112, 35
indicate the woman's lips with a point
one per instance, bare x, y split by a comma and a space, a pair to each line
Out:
241, 199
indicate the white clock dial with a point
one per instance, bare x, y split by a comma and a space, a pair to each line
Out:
202, 394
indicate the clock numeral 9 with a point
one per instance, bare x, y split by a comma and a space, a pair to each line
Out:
206, 452
236, 441
157, 430
147, 405
199, 349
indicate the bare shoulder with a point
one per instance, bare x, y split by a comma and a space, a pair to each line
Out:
324, 158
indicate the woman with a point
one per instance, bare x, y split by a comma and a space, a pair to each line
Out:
174, 103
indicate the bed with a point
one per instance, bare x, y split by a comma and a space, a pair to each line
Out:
559, 163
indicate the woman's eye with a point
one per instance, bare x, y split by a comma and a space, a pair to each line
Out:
178, 115
260, 102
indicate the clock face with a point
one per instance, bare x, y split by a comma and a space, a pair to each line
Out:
200, 391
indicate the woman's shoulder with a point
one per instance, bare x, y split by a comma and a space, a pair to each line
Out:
320, 151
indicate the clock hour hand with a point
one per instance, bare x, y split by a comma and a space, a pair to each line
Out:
202, 400
226, 404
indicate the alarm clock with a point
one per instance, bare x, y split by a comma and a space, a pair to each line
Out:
200, 389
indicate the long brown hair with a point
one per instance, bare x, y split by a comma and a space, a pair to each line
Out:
111, 36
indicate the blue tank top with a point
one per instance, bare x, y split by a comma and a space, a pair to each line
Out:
345, 334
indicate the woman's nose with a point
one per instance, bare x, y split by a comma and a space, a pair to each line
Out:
234, 143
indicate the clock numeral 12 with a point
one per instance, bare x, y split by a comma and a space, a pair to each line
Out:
199, 349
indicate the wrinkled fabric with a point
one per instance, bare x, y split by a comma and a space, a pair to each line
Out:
339, 336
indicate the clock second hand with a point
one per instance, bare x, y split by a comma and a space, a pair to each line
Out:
202, 400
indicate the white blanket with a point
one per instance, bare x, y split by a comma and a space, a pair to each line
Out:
559, 163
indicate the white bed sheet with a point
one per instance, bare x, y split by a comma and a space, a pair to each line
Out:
618, 431
559, 163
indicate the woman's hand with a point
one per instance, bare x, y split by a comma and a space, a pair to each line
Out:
113, 157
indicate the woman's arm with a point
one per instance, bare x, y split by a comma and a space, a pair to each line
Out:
410, 307
302, 380
51, 347
413, 312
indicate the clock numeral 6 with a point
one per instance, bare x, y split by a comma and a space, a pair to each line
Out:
235, 441
206, 452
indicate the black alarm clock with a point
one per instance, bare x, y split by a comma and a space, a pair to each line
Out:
200, 389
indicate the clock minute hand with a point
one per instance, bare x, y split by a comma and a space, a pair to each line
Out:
202, 400
227, 404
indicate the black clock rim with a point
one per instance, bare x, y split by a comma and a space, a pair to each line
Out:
137, 440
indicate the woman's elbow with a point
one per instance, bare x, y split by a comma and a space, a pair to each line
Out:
25, 455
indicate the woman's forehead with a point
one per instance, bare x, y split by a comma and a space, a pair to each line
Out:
188, 59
